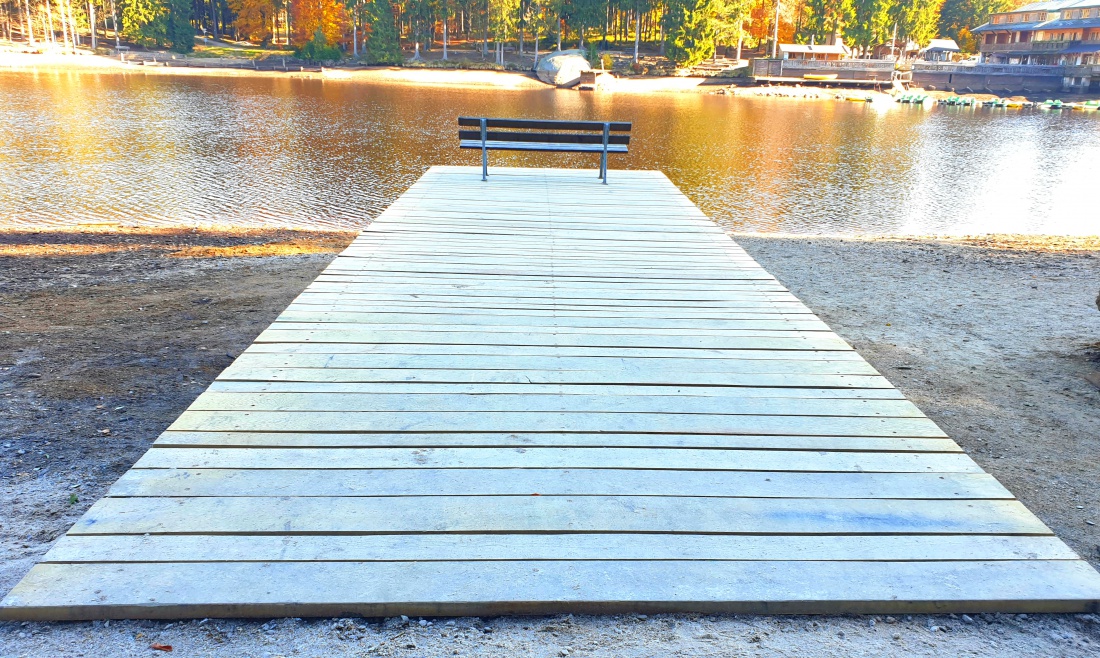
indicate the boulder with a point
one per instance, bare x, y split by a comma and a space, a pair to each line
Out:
562, 68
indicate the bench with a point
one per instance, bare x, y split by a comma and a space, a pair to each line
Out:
601, 137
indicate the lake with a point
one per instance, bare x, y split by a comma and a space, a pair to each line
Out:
167, 151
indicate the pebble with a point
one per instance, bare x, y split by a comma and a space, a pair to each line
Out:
564, 652
871, 623
897, 636
967, 619
423, 622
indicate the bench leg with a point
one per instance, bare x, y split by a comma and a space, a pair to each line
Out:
484, 165
603, 167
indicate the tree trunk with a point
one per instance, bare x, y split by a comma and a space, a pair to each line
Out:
72, 25
559, 32
114, 23
637, 34
444, 35
740, 36
28, 30
49, 22
91, 21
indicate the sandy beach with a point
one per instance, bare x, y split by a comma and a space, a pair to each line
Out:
106, 336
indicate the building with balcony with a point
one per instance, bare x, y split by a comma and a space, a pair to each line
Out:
1053, 33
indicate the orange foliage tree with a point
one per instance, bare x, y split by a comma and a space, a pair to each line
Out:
254, 18
329, 16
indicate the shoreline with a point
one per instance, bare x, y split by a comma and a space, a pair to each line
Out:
456, 78
423, 77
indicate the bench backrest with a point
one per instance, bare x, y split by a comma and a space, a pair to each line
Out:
543, 133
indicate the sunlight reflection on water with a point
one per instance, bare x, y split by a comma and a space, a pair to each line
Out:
84, 148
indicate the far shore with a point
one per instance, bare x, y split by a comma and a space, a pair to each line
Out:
421, 77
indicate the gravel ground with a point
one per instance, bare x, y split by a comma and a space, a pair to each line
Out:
106, 338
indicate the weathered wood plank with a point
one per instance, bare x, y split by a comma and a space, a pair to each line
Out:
571, 457
596, 547
728, 393
535, 514
538, 402
383, 589
318, 439
442, 421
554, 482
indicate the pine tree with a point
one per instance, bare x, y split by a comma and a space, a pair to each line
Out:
180, 31
382, 46
145, 21
690, 37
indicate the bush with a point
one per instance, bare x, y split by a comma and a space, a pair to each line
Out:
593, 55
606, 63
318, 49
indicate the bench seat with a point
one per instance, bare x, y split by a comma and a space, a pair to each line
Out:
541, 146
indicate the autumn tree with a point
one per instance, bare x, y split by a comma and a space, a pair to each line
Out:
254, 19
310, 16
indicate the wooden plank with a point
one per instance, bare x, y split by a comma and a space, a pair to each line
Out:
497, 402
730, 394
318, 439
490, 588
535, 514
595, 547
542, 357
442, 421
808, 341
678, 459
244, 374
225, 482
545, 124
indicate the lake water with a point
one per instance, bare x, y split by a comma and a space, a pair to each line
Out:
85, 148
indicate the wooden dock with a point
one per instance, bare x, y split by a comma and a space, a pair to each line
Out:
542, 394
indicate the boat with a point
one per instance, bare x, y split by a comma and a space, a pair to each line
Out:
859, 99
819, 76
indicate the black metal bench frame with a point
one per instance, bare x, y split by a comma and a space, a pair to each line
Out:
601, 137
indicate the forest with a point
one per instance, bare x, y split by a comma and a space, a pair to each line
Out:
377, 31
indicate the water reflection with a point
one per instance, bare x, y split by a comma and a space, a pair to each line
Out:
85, 148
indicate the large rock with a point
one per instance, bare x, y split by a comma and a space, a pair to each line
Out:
563, 68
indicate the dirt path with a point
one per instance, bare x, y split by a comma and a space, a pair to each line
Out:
105, 338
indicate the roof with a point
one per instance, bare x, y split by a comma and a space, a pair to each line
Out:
1008, 27
942, 44
1056, 5
819, 49
1069, 24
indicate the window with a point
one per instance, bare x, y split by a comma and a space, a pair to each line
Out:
997, 19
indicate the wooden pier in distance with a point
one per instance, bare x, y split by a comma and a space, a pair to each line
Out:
541, 394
